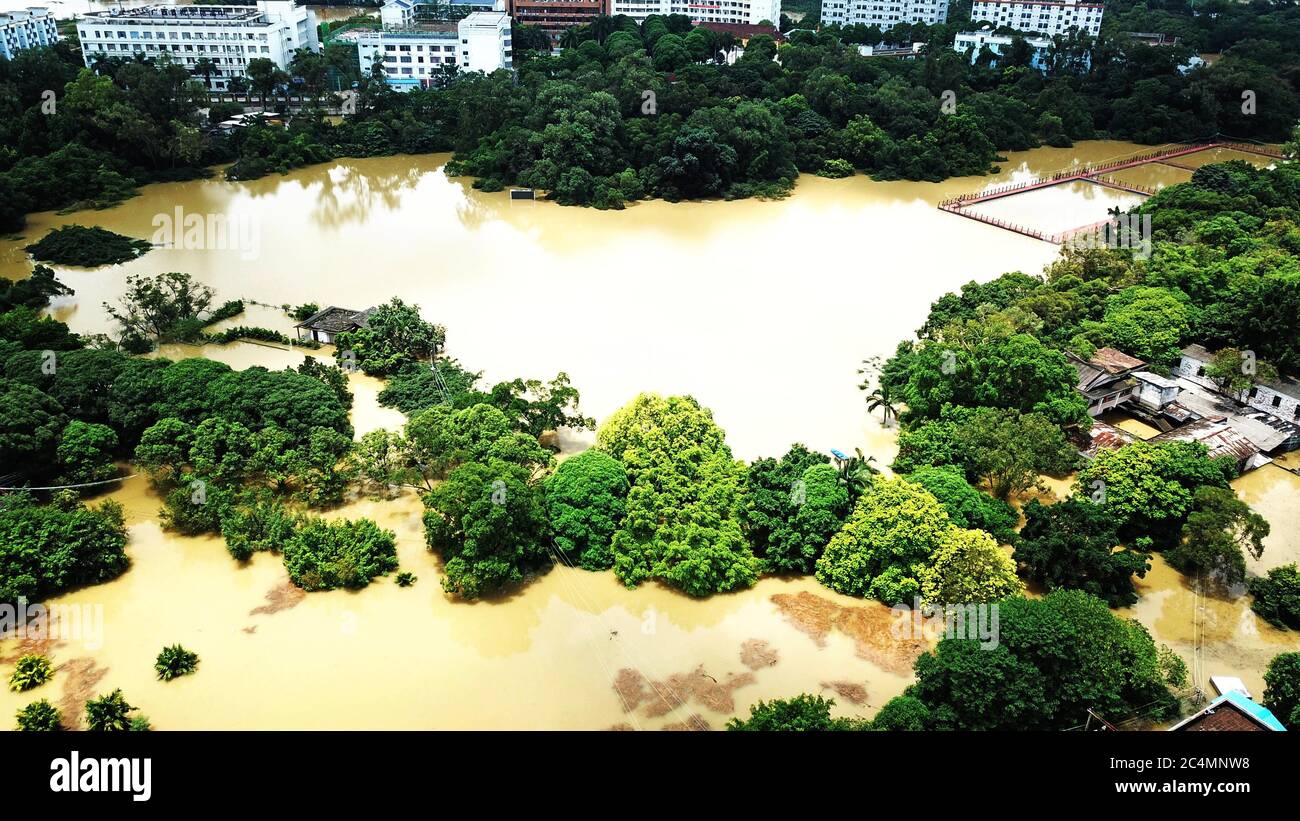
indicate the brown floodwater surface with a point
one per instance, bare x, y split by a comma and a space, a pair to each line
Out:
548, 656
762, 310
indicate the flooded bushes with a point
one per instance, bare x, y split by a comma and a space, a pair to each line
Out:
1055, 658
1150, 487
47, 549
112, 713
894, 529
32, 670
1277, 596
323, 555
488, 522
168, 307
253, 524
39, 716
318, 554
802, 713
966, 506
87, 247
175, 661
1282, 695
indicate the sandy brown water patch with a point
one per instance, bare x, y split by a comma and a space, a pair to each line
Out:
850, 691
81, 677
655, 699
757, 654
281, 597
869, 626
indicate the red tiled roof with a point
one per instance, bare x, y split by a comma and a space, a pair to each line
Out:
743, 31
1113, 361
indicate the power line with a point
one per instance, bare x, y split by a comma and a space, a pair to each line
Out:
83, 484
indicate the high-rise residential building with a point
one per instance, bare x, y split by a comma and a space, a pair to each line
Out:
416, 53
884, 13
749, 12
1039, 17
27, 28
227, 36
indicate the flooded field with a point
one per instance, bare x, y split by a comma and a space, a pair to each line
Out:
726, 301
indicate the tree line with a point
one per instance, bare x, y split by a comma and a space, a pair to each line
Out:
630, 111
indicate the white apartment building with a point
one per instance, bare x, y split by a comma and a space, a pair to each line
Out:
884, 13
26, 29
1039, 17
975, 41
749, 12
229, 36
416, 53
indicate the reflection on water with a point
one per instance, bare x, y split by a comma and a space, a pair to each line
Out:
1059, 207
762, 310
1233, 641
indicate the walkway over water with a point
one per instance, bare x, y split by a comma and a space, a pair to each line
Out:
1091, 173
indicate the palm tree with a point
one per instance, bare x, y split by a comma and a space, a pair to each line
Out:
725, 43
880, 396
205, 66
856, 472
570, 38
602, 27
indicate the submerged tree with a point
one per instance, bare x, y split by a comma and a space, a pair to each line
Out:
167, 306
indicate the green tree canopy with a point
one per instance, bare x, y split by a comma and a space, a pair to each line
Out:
682, 522
585, 502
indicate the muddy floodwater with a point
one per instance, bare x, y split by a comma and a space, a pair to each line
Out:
761, 310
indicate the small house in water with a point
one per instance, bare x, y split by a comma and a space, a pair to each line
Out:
323, 326
1106, 379
1231, 712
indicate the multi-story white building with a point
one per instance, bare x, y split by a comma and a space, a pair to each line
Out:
884, 13
485, 43
26, 29
1039, 17
976, 41
229, 36
416, 53
751, 12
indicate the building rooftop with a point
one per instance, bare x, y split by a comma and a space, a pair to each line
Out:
1198, 352
1220, 437
18, 15
1264, 430
178, 14
743, 31
1104, 436
1113, 361
1156, 379
1285, 386
1232, 711
1101, 374
336, 320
